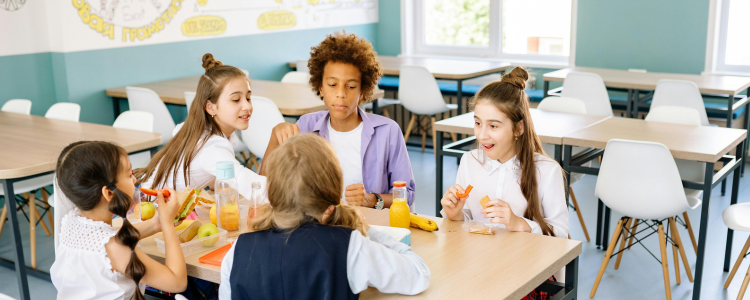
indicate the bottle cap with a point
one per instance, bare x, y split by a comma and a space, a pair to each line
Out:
224, 170
399, 183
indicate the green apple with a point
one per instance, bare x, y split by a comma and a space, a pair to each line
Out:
206, 230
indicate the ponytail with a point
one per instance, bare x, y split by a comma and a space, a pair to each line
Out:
128, 236
345, 216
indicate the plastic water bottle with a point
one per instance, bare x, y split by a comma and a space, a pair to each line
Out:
255, 198
227, 196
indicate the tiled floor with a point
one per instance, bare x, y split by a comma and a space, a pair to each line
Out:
639, 276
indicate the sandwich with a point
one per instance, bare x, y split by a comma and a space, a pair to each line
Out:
187, 199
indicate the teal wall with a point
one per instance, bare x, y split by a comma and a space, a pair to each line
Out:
389, 27
28, 76
659, 36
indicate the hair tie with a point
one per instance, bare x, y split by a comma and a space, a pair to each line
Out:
112, 186
338, 205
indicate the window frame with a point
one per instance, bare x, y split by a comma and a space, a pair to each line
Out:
413, 39
716, 43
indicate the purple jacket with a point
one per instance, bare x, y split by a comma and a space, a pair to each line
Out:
384, 156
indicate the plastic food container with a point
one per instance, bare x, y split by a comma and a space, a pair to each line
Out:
400, 234
203, 211
196, 245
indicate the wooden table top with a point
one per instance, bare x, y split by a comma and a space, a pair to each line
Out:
292, 99
462, 265
707, 84
32, 144
440, 68
549, 126
697, 143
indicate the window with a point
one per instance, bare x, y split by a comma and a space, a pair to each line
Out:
510, 30
732, 54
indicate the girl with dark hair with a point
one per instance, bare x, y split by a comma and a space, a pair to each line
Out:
95, 260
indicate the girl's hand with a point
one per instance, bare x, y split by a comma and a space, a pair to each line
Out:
452, 205
167, 209
501, 213
284, 131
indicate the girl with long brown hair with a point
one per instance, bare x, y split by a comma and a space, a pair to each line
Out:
95, 260
307, 245
221, 106
525, 185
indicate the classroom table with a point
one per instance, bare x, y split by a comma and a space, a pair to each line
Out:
442, 68
507, 265
31, 146
291, 98
549, 126
696, 143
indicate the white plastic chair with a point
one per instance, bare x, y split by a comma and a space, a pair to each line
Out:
64, 111
640, 180
680, 93
19, 106
572, 106
689, 170
189, 97
590, 88
141, 121
737, 217
302, 66
265, 116
382, 102
142, 99
296, 77
419, 93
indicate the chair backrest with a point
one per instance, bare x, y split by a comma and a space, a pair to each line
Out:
563, 105
296, 77
674, 114
142, 99
419, 92
590, 88
189, 96
64, 111
135, 120
302, 66
19, 106
640, 180
680, 93
265, 116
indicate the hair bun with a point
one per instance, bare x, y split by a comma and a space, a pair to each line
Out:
517, 77
209, 61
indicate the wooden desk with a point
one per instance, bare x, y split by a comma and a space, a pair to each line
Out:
292, 99
463, 265
549, 126
31, 146
730, 86
451, 69
697, 143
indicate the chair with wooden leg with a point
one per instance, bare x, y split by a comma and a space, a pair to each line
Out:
640, 180
573, 106
419, 94
737, 217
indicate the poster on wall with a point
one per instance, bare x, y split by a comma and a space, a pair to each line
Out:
99, 24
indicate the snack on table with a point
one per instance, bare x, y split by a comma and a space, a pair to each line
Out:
478, 227
205, 199
190, 232
187, 201
466, 192
484, 201
423, 223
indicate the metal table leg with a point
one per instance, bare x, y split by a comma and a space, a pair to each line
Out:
546, 88
733, 200
375, 107
438, 172
599, 217
571, 279
636, 98
605, 227
707, 183
460, 101
10, 204
116, 106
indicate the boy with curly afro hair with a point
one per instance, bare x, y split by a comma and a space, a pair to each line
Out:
344, 72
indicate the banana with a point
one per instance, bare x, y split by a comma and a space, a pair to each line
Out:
422, 223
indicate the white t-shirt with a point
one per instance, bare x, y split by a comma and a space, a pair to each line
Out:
348, 146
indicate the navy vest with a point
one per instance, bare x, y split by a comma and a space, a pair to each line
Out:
307, 263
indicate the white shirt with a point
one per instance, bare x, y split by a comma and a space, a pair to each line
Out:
380, 262
502, 181
203, 167
82, 269
348, 147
